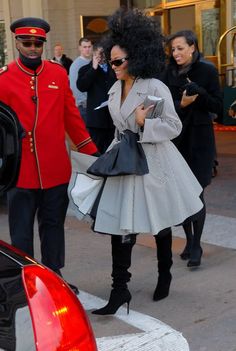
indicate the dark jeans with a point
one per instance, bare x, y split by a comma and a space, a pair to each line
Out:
51, 207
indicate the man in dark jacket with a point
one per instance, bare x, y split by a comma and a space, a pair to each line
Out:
62, 58
96, 78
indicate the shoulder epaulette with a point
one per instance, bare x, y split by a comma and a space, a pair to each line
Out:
53, 61
3, 69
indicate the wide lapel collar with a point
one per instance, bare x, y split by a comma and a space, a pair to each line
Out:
115, 100
135, 97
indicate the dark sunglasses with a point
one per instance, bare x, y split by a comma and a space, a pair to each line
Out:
118, 62
36, 43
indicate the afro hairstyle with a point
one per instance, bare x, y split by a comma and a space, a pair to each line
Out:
140, 36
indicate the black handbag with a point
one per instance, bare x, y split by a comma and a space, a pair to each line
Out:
126, 157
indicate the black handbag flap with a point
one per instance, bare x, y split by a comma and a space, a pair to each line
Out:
125, 158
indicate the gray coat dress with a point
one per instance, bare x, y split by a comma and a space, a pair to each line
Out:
169, 193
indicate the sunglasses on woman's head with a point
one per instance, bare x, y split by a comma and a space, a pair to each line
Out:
29, 43
118, 62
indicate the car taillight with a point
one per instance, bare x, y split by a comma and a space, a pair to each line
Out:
59, 320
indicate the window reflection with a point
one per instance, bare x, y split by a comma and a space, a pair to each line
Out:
210, 31
142, 4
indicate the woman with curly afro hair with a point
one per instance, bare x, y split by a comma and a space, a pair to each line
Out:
169, 192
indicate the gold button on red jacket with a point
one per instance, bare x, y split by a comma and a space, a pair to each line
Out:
46, 108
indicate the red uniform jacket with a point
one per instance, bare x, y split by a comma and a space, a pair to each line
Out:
46, 109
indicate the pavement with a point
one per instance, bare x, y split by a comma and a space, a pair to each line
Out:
200, 312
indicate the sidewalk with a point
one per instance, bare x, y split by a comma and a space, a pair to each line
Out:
201, 305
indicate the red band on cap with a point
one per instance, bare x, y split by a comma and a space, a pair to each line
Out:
33, 31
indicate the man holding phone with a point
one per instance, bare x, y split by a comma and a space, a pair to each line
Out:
96, 78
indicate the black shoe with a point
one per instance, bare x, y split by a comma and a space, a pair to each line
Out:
58, 272
185, 255
214, 169
163, 287
73, 287
195, 257
117, 299
214, 172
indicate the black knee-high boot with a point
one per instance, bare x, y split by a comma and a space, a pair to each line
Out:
121, 261
185, 254
164, 257
196, 250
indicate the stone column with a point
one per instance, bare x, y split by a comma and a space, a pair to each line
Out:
9, 37
32, 8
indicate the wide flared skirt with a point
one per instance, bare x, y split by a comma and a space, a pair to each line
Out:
164, 197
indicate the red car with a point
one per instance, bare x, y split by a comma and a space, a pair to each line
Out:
38, 310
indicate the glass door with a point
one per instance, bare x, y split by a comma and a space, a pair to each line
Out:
203, 17
207, 19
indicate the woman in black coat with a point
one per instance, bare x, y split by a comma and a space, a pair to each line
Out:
194, 85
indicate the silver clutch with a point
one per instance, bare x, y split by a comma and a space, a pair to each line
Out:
158, 103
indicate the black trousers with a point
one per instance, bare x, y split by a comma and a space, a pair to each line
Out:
50, 206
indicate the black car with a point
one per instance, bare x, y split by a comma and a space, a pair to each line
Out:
38, 310
11, 134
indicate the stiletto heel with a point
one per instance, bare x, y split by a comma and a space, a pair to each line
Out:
185, 255
121, 261
195, 257
116, 300
128, 307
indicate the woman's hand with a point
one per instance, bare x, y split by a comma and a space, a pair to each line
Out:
141, 114
193, 88
187, 100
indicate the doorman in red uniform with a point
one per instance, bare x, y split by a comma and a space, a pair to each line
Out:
38, 91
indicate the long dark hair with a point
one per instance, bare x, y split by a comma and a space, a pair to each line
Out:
191, 39
140, 36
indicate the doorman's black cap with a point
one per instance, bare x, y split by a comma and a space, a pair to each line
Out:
30, 27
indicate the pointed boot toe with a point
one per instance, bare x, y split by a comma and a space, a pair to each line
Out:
116, 300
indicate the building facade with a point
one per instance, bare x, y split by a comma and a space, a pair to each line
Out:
66, 18
72, 19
